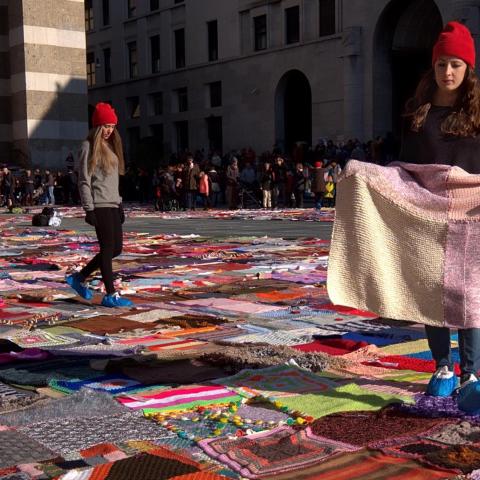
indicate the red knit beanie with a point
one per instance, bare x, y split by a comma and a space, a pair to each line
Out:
318, 164
104, 114
455, 41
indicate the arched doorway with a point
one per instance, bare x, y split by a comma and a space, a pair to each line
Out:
293, 110
404, 37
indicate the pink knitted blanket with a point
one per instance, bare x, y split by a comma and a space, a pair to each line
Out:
406, 243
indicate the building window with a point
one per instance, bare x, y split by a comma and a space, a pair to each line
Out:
155, 53
89, 23
180, 48
327, 17
260, 32
215, 133
90, 69
131, 8
133, 107
107, 54
182, 99
156, 103
106, 12
181, 130
215, 94
212, 40
292, 24
154, 5
132, 59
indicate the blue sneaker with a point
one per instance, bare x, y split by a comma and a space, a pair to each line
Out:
115, 300
76, 282
469, 395
443, 383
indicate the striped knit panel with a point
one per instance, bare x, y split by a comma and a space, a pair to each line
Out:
5, 116
47, 79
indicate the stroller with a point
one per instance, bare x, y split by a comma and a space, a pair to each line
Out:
247, 196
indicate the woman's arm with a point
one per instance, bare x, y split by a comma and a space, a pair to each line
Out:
85, 179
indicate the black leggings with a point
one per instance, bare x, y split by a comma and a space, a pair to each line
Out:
110, 238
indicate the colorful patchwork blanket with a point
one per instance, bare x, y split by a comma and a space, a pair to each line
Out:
406, 243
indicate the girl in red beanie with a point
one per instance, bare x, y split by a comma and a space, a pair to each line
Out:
443, 127
101, 163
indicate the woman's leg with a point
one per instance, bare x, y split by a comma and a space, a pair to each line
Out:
439, 343
443, 382
469, 349
106, 228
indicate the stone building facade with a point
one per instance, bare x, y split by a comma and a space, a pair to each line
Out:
43, 89
226, 74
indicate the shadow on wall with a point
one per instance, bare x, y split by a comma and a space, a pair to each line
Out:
54, 123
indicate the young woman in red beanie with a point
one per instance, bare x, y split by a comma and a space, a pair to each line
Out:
443, 127
101, 163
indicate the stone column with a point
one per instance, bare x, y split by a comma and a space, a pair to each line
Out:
5, 118
353, 83
48, 80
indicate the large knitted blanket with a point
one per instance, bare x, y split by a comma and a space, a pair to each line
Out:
406, 243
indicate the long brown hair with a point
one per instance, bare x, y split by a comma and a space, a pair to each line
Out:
99, 156
464, 121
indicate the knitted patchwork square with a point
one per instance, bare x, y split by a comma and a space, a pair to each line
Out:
16, 448
181, 399
112, 384
272, 453
277, 381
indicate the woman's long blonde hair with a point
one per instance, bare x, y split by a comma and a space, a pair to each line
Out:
99, 156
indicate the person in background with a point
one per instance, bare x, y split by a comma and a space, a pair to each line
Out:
299, 185
266, 183
318, 184
29, 187
329, 195
101, 163
231, 192
279, 190
190, 183
204, 190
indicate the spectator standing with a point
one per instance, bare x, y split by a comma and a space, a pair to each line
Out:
279, 189
231, 192
299, 185
318, 184
8, 187
216, 190
266, 183
190, 183
204, 190
29, 187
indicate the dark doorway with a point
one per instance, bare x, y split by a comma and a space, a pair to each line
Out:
293, 110
405, 34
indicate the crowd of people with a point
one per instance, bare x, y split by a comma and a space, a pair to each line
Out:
243, 179
38, 187
239, 179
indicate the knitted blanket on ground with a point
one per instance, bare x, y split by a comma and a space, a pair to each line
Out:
406, 243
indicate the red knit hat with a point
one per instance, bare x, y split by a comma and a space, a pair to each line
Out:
318, 164
104, 114
455, 41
